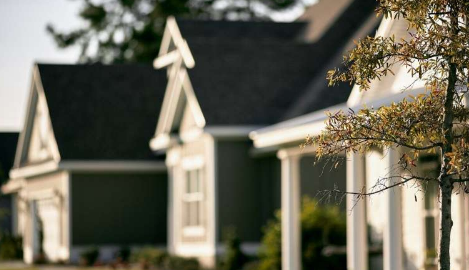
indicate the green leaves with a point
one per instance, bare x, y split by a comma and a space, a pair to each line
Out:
94, 14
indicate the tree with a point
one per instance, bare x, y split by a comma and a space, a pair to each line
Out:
436, 52
131, 30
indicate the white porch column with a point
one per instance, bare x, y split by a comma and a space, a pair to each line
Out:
392, 235
357, 247
291, 227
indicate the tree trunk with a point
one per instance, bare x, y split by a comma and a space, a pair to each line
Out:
446, 224
445, 181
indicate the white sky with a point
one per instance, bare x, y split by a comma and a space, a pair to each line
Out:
23, 41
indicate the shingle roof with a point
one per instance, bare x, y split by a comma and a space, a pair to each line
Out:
8, 142
259, 78
193, 30
106, 112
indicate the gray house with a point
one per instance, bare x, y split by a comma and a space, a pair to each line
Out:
225, 80
83, 172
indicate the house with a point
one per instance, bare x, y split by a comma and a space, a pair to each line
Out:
83, 173
395, 230
225, 80
8, 141
408, 230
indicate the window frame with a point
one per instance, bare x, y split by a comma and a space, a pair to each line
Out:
193, 193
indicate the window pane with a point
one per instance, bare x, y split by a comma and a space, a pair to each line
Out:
430, 233
188, 182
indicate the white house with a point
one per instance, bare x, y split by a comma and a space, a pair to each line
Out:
395, 230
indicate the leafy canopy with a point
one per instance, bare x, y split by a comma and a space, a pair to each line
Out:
435, 52
131, 30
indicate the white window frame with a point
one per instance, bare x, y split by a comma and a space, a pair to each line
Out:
191, 164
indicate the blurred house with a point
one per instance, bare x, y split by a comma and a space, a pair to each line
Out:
8, 142
395, 230
83, 174
225, 80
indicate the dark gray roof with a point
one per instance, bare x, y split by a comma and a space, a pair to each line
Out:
261, 80
106, 112
8, 142
193, 30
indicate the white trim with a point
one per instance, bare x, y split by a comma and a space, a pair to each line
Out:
297, 129
212, 191
161, 142
42, 194
68, 183
357, 244
287, 135
192, 162
111, 165
172, 30
229, 132
193, 231
291, 211
31, 170
36, 93
166, 59
88, 166
191, 135
192, 99
13, 185
195, 249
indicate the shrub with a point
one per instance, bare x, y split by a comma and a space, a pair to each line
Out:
89, 256
321, 227
11, 247
234, 258
149, 256
180, 263
123, 254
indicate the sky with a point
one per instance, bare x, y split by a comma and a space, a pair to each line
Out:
24, 41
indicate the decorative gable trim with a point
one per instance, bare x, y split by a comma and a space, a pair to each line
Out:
176, 57
36, 98
173, 47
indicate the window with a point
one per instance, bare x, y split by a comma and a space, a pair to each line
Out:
430, 168
193, 202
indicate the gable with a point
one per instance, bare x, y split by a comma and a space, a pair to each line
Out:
37, 142
392, 84
179, 103
180, 110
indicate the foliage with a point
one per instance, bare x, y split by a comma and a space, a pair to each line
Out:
131, 30
180, 263
11, 247
322, 226
436, 52
150, 257
89, 256
234, 258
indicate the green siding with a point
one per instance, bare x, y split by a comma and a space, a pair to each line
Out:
320, 177
248, 189
119, 209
